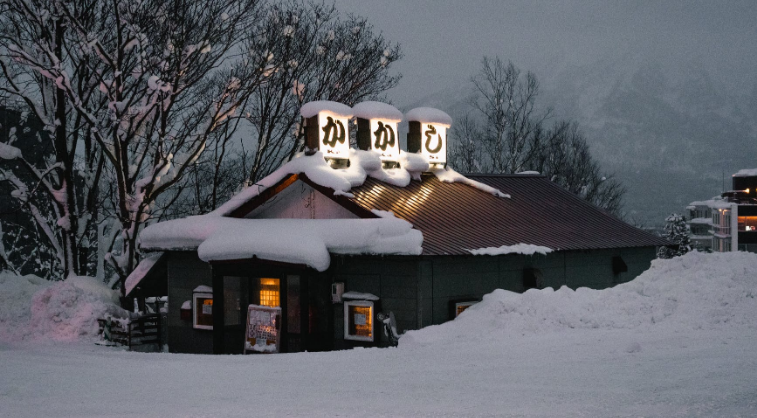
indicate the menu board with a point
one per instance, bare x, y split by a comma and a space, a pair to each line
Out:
263, 329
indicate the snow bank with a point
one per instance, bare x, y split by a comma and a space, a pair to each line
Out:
311, 109
527, 249
32, 308
696, 291
15, 295
429, 115
377, 110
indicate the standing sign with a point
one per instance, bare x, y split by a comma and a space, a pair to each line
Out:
263, 329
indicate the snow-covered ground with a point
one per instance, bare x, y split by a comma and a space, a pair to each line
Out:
678, 341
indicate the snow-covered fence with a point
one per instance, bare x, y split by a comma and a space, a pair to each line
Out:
143, 330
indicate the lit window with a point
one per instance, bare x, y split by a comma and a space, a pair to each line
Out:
203, 311
358, 320
461, 306
269, 292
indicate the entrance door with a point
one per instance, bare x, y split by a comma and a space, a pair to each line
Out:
296, 324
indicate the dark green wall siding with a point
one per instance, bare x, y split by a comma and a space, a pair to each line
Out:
419, 291
185, 273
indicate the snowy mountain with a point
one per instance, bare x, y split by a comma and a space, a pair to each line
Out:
670, 132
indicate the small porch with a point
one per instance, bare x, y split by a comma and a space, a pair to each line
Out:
302, 294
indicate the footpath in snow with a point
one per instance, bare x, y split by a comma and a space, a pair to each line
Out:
679, 341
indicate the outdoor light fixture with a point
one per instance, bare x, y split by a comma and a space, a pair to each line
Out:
377, 129
327, 128
428, 134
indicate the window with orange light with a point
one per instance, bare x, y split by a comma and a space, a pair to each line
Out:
203, 311
270, 292
358, 320
748, 223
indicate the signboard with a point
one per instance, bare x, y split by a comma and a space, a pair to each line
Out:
263, 329
434, 142
384, 139
333, 135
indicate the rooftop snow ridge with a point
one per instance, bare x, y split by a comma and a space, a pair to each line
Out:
376, 110
747, 172
429, 115
362, 165
311, 109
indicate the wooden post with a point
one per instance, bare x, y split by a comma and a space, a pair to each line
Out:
218, 310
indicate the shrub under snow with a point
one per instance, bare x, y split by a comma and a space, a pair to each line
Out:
695, 291
32, 308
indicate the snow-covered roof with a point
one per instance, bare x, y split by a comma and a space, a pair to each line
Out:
296, 241
139, 273
311, 109
709, 203
363, 164
747, 172
376, 110
429, 115
217, 236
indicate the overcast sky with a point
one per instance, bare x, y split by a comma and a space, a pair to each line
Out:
444, 41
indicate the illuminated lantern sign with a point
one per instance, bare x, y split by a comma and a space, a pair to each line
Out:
327, 128
377, 129
428, 133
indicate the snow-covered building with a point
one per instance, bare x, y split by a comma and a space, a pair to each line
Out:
700, 223
728, 222
321, 253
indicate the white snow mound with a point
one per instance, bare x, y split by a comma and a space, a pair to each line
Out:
34, 309
694, 292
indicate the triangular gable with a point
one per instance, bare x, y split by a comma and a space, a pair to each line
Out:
262, 205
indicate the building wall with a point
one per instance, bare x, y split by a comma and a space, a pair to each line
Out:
393, 279
421, 291
185, 272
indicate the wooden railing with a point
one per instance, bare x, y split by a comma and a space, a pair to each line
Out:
132, 332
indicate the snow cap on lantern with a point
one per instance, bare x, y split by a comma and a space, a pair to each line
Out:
428, 133
327, 128
377, 129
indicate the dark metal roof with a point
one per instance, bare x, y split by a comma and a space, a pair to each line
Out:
455, 217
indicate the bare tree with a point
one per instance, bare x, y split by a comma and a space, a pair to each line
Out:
506, 101
164, 78
565, 158
466, 154
513, 136
311, 54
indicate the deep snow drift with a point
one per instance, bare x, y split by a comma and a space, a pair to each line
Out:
34, 309
695, 292
679, 341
